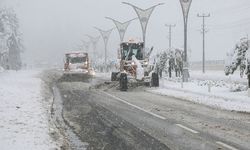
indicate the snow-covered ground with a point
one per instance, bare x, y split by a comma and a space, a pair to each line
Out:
197, 90
218, 76
24, 120
1, 69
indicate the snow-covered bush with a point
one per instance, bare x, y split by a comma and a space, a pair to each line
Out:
238, 88
233, 87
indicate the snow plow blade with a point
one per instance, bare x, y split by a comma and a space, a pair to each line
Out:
75, 77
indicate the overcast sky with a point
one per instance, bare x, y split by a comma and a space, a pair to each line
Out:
52, 27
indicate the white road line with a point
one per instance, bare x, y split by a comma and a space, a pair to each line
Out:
226, 146
137, 107
188, 129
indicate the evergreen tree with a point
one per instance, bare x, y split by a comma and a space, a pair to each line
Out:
10, 40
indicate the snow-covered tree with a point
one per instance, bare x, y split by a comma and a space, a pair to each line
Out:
238, 58
170, 60
10, 40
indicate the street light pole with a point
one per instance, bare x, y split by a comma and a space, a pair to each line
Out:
105, 35
170, 26
121, 27
185, 4
94, 41
143, 15
86, 45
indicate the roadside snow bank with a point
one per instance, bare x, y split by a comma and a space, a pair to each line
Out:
24, 121
218, 76
220, 95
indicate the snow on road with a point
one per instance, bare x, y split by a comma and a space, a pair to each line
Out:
24, 120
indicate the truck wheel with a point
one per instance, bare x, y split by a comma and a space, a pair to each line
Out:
155, 80
123, 82
113, 76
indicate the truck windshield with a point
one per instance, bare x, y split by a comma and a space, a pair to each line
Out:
75, 60
130, 50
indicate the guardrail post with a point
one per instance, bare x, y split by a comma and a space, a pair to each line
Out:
209, 87
182, 86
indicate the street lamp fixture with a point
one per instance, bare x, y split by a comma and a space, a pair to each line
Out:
143, 15
105, 35
94, 41
121, 27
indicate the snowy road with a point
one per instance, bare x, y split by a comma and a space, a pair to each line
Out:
99, 127
195, 125
106, 118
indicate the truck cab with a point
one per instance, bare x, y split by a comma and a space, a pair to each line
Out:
128, 49
76, 61
134, 66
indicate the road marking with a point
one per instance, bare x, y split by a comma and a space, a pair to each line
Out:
188, 129
226, 146
137, 107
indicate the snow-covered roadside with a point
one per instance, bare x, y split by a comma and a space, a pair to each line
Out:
1, 69
197, 91
218, 76
24, 120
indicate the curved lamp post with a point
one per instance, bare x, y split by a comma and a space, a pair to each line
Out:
105, 35
143, 15
121, 27
185, 5
94, 41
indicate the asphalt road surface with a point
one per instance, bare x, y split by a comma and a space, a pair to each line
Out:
102, 117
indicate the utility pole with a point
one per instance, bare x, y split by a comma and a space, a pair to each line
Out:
170, 26
204, 31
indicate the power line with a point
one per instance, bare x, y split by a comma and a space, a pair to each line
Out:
203, 16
